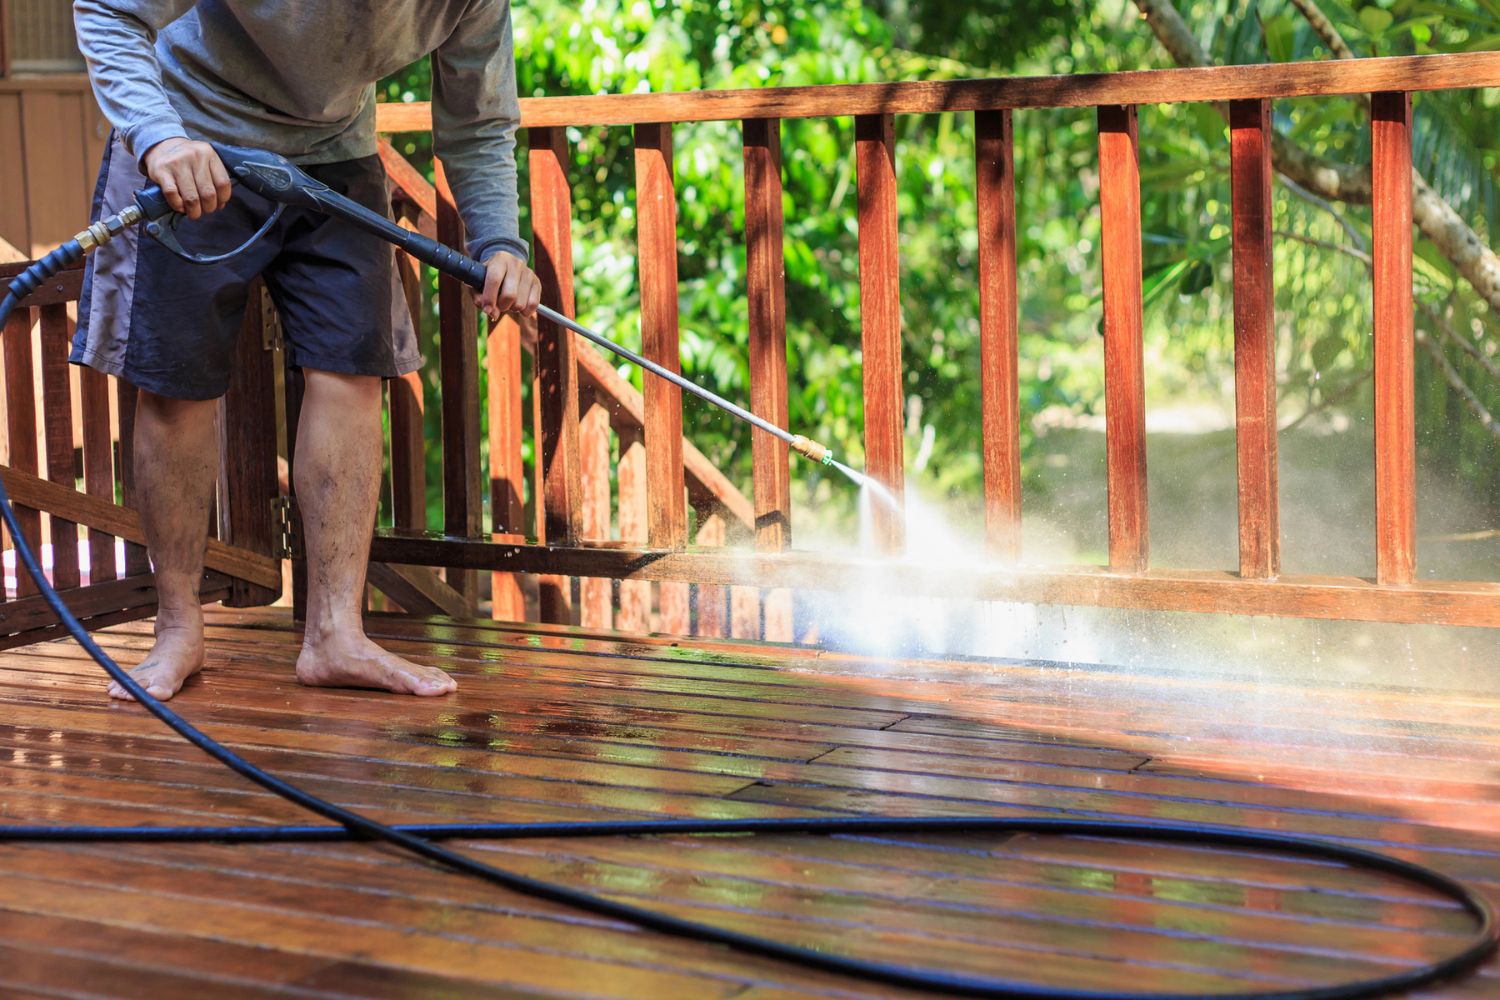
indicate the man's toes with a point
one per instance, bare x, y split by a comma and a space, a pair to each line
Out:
432, 686
430, 683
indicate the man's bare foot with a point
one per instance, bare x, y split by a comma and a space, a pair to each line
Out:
354, 661
176, 656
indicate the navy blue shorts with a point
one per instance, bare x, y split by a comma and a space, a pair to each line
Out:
169, 326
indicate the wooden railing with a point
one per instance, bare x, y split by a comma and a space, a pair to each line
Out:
607, 404
578, 526
66, 426
567, 540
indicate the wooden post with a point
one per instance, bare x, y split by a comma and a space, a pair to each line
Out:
880, 319
247, 434
507, 470
20, 415
557, 373
1395, 407
458, 322
765, 282
1254, 338
656, 234
1124, 366
998, 351
57, 419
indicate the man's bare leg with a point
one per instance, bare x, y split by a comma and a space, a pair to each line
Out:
176, 463
337, 474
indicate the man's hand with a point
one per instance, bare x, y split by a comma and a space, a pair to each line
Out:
190, 175
509, 287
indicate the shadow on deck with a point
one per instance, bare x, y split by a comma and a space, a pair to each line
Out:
555, 723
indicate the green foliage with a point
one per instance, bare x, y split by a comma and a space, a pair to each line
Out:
599, 46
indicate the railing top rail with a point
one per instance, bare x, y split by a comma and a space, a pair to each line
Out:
1161, 86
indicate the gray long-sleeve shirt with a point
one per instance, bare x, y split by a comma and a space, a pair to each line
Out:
298, 77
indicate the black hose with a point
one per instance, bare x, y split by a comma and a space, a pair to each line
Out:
420, 839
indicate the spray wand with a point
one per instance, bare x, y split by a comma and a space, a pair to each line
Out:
283, 183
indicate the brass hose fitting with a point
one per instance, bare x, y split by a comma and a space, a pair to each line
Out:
810, 449
101, 232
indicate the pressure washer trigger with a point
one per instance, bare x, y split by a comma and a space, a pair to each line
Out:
164, 231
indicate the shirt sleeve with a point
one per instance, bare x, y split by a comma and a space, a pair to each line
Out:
118, 41
475, 113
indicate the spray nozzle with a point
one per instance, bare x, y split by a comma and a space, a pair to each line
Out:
810, 449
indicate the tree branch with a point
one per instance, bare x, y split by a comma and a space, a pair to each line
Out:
1466, 345
1459, 385
1329, 400
1324, 29
1354, 252
1301, 192
1436, 219
1437, 321
1323, 177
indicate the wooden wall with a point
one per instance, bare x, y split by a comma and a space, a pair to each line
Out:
51, 139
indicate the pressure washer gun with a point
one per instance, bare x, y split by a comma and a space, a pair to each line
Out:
280, 181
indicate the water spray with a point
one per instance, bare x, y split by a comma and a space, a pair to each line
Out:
283, 183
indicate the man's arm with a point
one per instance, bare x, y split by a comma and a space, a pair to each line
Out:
474, 117
118, 41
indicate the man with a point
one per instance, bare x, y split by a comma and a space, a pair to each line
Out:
295, 77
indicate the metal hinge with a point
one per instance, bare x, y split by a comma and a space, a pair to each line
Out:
270, 322
284, 520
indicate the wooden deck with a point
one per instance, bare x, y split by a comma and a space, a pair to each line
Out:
552, 723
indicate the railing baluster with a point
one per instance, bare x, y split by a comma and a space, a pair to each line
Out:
293, 389
1254, 338
595, 596
507, 469
406, 401
880, 319
765, 285
136, 560
556, 370
247, 481
656, 234
1395, 410
998, 366
635, 595
712, 600
20, 415
57, 418
750, 619
1124, 370
458, 321
99, 466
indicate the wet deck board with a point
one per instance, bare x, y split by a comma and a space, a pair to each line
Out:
554, 723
